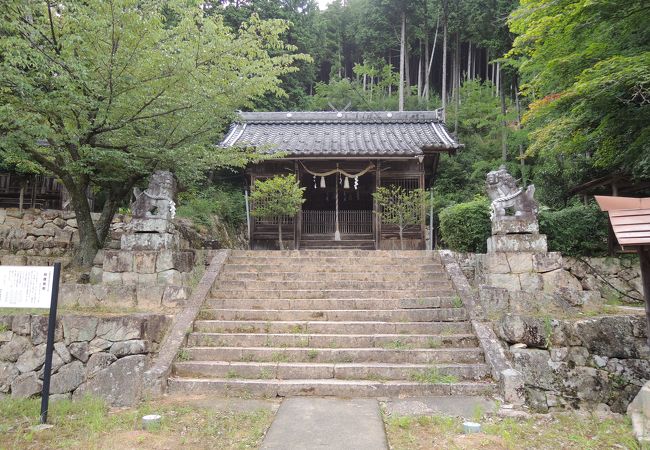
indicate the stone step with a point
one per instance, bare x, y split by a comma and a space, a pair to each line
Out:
386, 315
396, 341
314, 267
320, 327
313, 285
350, 261
329, 293
331, 303
336, 355
342, 371
392, 276
335, 253
358, 244
328, 387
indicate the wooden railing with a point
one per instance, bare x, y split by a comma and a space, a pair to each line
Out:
324, 222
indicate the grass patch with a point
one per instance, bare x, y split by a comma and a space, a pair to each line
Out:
560, 430
312, 354
183, 355
433, 343
376, 377
456, 302
297, 329
397, 344
279, 357
432, 376
90, 424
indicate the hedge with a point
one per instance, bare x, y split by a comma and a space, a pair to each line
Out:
575, 231
465, 227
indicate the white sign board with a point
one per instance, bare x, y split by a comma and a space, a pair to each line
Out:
26, 287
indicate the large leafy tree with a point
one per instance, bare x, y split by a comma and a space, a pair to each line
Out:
102, 92
586, 66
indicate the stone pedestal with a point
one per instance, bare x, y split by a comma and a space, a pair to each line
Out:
152, 255
530, 243
516, 234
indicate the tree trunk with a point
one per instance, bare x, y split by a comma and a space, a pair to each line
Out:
469, 61
644, 258
407, 69
444, 60
457, 82
433, 50
498, 69
522, 163
89, 243
401, 236
425, 88
401, 63
504, 129
280, 233
420, 76
21, 197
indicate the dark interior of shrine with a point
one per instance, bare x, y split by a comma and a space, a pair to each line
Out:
318, 198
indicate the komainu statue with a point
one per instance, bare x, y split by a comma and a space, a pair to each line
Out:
505, 194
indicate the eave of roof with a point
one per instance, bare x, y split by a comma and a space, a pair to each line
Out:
630, 218
351, 134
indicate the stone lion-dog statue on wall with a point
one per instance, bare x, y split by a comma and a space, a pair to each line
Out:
505, 194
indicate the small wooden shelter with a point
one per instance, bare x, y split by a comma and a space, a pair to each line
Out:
630, 219
341, 158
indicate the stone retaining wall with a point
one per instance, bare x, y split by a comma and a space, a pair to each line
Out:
578, 363
613, 278
45, 233
101, 356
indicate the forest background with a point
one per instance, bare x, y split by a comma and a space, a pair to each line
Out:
557, 90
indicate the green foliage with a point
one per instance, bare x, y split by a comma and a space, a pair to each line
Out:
586, 65
400, 207
465, 227
201, 206
276, 197
576, 230
119, 89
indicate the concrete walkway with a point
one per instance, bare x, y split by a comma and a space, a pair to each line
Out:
327, 423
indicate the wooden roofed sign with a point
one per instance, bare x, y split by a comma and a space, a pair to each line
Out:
630, 218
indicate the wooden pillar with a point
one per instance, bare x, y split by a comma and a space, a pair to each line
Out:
423, 219
644, 258
297, 221
375, 207
611, 237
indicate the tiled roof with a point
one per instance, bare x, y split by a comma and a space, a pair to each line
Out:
380, 133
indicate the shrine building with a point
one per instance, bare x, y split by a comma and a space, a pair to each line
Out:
341, 158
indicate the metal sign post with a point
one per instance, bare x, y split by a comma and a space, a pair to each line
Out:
34, 287
49, 347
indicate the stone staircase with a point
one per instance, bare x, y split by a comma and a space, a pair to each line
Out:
332, 322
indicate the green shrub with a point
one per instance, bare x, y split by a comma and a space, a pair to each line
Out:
226, 202
575, 231
465, 227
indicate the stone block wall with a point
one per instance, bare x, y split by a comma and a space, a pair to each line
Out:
522, 271
614, 278
165, 289
578, 363
162, 267
100, 356
29, 236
